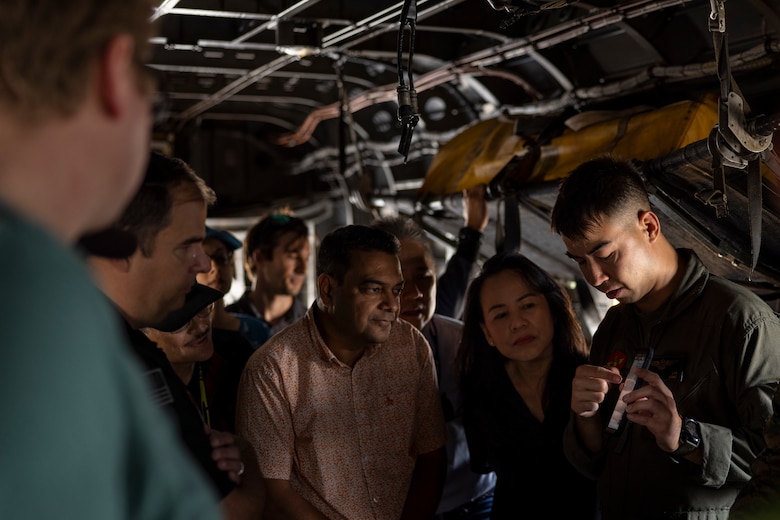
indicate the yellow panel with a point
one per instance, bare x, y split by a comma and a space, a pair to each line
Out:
472, 157
640, 136
479, 153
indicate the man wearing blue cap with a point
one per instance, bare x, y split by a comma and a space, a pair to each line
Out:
220, 245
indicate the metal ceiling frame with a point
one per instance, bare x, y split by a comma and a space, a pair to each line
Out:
480, 63
353, 33
356, 33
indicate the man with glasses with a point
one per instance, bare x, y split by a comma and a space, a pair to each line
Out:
219, 246
467, 495
80, 437
210, 369
168, 217
276, 254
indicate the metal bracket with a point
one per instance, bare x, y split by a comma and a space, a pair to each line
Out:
719, 147
716, 199
717, 16
739, 128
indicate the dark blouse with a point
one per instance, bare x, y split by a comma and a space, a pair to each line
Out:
534, 478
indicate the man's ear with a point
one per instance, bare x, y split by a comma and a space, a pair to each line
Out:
650, 224
257, 258
117, 75
122, 264
326, 285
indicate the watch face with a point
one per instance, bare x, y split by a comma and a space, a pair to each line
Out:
689, 439
690, 432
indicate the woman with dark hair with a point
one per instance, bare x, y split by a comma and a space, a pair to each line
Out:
520, 347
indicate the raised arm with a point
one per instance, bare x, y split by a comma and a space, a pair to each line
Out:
452, 285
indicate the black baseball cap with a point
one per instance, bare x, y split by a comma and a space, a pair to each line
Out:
227, 238
197, 299
111, 242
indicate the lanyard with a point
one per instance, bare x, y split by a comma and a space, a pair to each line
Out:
204, 402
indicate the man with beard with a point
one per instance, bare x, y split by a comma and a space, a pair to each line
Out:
210, 368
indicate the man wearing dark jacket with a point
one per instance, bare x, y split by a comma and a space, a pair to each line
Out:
694, 422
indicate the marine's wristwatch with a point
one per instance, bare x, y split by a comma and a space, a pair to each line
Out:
690, 438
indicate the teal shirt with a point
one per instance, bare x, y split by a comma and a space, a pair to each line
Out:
79, 436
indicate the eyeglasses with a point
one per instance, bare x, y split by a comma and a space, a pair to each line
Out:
205, 313
279, 218
222, 260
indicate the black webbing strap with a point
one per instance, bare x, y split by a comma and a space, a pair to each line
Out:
717, 197
755, 209
508, 232
720, 199
725, 138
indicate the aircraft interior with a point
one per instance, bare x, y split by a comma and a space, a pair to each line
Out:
342, 111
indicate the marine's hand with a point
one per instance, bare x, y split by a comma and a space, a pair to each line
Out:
653, 407
590, 387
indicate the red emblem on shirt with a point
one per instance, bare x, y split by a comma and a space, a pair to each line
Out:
617, 359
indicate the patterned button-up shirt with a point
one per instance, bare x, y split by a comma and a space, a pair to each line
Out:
346, 438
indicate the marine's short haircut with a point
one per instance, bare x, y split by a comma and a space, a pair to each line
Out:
404, 228
150, 210
48, 46
600, 188
335, 253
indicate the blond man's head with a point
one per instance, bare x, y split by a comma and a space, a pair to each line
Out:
48, 48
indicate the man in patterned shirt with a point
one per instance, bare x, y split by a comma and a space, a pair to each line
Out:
342, 407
